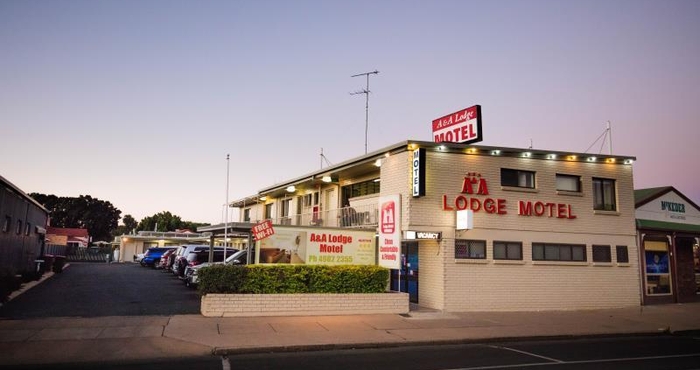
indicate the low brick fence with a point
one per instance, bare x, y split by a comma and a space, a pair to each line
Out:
232, 305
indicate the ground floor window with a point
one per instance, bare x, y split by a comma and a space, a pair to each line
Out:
470, 249
507, 250
656, 268
558, 252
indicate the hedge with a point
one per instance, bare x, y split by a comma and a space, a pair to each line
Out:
279, 279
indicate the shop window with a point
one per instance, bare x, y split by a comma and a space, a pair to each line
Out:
470, 249
569, 183
656, 262
507, 250
517, 178
6, 224
18, 229
622, 256
601, 253
558, 252
604, 195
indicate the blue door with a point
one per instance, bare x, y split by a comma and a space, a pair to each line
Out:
406, 279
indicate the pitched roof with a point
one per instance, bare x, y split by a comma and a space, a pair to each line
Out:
72, 232
644, 196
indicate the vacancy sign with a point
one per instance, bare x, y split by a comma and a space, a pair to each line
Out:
459, 127
263, 230
390, 231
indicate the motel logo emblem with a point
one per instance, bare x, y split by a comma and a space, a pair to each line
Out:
388, 217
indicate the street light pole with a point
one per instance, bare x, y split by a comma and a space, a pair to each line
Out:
226, 218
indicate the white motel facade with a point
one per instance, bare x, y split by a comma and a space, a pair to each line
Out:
481, 228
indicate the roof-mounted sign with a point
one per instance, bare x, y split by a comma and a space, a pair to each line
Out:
463, 126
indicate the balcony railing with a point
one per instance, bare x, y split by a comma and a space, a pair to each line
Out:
358, 217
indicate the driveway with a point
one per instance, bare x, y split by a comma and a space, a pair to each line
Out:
94, 290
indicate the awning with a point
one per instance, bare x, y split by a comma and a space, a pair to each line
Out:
668, 226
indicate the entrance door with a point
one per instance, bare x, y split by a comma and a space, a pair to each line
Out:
406, 279
657, 272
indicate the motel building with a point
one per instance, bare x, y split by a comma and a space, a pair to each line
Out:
471, 228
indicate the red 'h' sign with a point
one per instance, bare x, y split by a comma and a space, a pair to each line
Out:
263, 230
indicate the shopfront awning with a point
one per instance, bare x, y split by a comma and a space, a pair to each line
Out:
668, 226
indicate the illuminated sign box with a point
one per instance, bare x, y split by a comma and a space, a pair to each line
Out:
412, 235
463, 126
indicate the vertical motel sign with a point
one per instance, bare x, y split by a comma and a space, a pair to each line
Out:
418, 173
463, 126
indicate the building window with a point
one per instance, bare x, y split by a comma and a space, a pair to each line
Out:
6, 224
569, 183
470, 249
284, 212
246, 215
604, 195
517, 178
657, 267
507, 250
558, 252
27, 229
268, 211
622, 256
601, 253
358, 190
18, 229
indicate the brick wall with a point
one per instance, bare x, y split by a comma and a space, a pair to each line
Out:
233, 305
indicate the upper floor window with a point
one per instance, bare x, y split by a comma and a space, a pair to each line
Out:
18, 229
359, 189
622, 256
27, 228
472, 249
569, 183
268, 211
246, 215
601, 253
604, 194
6, 224
517, 178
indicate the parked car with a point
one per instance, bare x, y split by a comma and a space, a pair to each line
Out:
152, 256
181, 262
238, 258
165, 261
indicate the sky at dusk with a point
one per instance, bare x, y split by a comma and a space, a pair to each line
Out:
138, 102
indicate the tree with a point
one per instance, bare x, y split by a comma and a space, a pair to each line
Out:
128, 225
85, 212
166, 221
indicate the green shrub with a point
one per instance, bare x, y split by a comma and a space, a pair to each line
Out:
279, 279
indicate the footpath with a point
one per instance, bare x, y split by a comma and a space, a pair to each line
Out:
135, 338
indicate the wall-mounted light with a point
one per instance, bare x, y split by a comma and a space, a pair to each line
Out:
471, 150
378, 162
571, 157
552, 156
291, 189
527, 154
610, 160
591, 159
495, 152
327, 179
263, 198
629, 161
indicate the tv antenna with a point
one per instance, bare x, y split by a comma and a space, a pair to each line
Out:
606, 134
366, 92
324, 159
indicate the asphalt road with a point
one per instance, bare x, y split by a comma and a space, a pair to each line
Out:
99, 289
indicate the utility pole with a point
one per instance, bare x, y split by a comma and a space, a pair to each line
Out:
226, 218
366, 92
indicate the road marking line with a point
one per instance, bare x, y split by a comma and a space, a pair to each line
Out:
574, 362
225, 365
529, 354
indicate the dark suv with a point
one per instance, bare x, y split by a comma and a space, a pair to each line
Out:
153, 254
199, 255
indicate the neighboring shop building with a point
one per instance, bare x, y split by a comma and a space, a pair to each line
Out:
668, 228
547, 229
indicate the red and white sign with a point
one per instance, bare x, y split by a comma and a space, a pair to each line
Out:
390, 231
459, 127
263, 230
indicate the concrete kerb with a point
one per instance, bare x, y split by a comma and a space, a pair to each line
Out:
31, 284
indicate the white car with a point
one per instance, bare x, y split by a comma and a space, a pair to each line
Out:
237, 258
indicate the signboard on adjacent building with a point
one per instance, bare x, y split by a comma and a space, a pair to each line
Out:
463, 126
390, 231
317, 246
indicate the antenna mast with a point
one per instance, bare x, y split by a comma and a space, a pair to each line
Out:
324, 159
366, 92
606, 134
